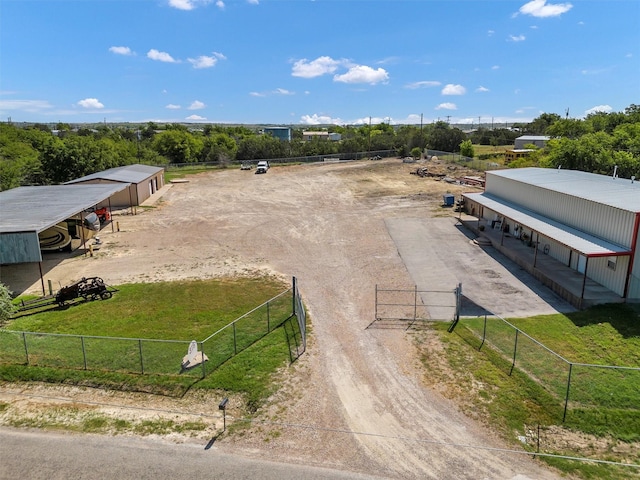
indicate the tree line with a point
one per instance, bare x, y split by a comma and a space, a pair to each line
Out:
39, 155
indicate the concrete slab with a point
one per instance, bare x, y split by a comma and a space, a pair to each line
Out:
439, 253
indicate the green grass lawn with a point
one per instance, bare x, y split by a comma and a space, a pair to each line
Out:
149, 327
604, 404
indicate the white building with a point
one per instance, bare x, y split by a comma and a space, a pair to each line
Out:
587, 224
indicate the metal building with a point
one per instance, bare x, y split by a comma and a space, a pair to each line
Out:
565, 224
142, 182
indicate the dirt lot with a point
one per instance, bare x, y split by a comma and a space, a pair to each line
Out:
357, 400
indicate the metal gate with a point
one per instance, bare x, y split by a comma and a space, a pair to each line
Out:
416, 304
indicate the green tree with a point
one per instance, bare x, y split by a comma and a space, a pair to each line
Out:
416, 152
178, 145
7, 308
540, 125
466, 149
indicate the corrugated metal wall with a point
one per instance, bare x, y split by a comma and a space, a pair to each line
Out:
22, 247
606, 222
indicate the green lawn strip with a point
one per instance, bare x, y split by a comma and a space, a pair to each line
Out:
513, 403
175, 310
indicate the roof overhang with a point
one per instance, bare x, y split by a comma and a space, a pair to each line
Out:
572, 238
34, 209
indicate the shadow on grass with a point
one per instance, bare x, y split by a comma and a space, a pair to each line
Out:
624, 317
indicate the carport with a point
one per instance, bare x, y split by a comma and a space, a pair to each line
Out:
27, 211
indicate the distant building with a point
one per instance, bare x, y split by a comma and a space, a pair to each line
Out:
539, 141
334, 137
281, 133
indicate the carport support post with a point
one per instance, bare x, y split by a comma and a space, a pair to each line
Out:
535, 253
584, 279
41, 277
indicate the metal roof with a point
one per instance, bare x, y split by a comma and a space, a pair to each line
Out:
533, 137
29, 209
617, 192
129, 173
575, 239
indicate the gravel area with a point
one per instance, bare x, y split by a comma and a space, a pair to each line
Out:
356, 400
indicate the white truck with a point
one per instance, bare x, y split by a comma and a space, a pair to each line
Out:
262, 167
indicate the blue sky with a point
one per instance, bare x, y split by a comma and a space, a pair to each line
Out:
310, 62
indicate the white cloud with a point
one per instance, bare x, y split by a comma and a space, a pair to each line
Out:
154, 54
197, 105
452, 89
482, 89
599, 108
517, 38
30, 106
90, 103
316, 68
542, 9
363, 74
491, 32
495, 67
277, 91
253, 2
171, 106
422, 84
121, 50
447, 106
195, 118
220, 4
187, 4
204, 61
316, 119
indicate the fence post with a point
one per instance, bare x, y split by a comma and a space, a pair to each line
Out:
515, 349
268, 318
415, 302
204, 369
141, 357
484, 332
84, 353
566, 398
26, 350
376, 303
293, 297
235, 343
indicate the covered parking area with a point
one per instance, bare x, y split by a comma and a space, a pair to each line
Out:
574, 264
25, 212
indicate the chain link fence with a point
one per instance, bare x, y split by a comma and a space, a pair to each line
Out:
151, 356
574, 384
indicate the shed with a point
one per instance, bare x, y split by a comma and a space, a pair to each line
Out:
142, 182
27, 211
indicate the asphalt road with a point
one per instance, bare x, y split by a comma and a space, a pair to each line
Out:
38, 455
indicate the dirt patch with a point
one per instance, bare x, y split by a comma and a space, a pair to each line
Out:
356, 400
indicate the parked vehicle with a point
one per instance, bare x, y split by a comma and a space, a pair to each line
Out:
58, 237
262, 167
246, 166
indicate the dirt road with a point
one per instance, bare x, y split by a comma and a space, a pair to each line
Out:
355, 400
